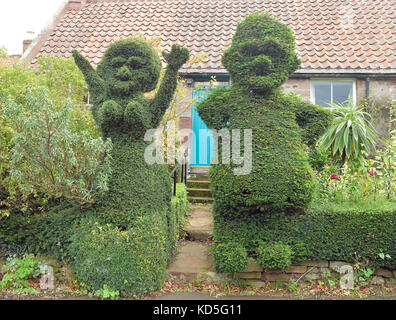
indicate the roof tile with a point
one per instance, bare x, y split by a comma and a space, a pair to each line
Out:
335, 34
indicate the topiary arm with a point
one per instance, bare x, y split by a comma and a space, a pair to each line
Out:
176, 58
215, 109
95, 83
313, 119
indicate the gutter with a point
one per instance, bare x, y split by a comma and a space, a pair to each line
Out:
344, 75
375, 74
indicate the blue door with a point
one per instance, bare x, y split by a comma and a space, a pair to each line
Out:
202, 139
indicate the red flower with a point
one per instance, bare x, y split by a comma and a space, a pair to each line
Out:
334, 177
371, 172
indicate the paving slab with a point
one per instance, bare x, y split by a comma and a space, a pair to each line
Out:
193, 262
200, 223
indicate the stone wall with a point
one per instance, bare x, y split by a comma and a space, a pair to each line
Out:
256, 276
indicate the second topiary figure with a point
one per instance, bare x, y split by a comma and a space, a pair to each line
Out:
260, 59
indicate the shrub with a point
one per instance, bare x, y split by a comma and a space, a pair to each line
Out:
351, 231
259, 60
63, 81
261, 57
274, 255
230, 257
49, 158
177, 214
46, 233
138, 191
345, 230
132, 262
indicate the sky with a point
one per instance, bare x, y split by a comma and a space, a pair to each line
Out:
19, 16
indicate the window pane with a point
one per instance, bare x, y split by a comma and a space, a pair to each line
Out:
341, 91
322, 93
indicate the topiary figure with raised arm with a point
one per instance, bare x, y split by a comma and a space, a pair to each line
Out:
133, 251
128, 69
261, 58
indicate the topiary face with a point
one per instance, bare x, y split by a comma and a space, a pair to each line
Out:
130, 66
262, 55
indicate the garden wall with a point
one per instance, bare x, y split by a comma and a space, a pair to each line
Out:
256, 276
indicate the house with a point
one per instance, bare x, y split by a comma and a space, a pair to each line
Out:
347, 47
9, 60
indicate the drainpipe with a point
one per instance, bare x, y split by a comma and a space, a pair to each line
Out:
367, 87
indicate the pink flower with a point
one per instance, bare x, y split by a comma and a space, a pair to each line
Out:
334, 177
371, 172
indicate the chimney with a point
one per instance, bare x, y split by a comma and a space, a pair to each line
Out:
75, 4
28, 40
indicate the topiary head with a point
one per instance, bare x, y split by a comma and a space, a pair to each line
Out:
262, 55
130, 66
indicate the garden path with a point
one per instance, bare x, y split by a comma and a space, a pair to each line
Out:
194, 261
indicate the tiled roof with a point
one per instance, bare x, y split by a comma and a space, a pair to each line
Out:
332, 35
9, 60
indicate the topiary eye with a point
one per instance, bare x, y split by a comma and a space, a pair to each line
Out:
273, 48
118, 62
136, 62
250, 48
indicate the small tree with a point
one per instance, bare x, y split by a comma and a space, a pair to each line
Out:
52, 159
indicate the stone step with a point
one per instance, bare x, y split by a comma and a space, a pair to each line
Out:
198, 184
199, 192
197, 177
193, 262
200, 223
200, 199
200, 170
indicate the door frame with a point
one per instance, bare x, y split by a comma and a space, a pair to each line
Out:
196, 80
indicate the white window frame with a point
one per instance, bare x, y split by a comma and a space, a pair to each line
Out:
332, 80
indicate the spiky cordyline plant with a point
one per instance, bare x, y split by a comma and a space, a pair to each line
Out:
351, 133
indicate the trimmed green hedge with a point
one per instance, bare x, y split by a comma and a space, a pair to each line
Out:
262, 57
326, 231
46, 233
177, 215
132, 261
230, 257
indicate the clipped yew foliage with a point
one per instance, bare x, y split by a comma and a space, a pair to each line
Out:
259, 60
130, 68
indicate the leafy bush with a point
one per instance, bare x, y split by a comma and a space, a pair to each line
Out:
177, 214
274, 255
230, 257
107, 293
49, 158
132, 261
63, 81
18, 272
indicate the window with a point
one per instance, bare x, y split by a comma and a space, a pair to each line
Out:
324, 92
